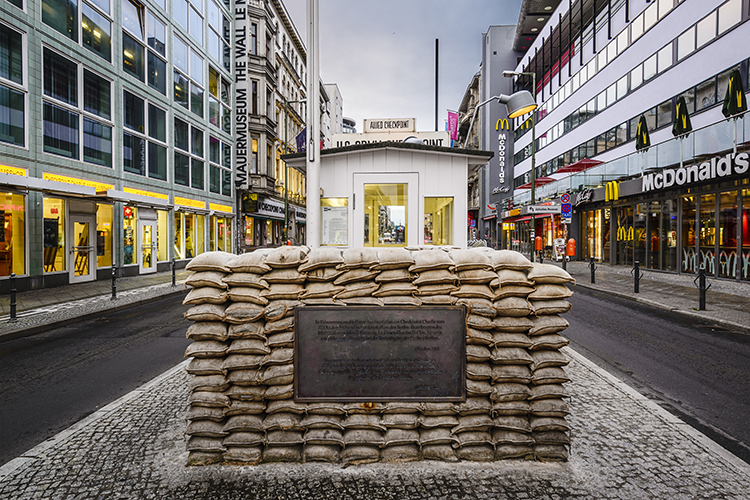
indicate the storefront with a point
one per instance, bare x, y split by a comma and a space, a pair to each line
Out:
700, 220
220, 228
263, 222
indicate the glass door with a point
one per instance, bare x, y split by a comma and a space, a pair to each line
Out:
147, 264
386, 210
82, 263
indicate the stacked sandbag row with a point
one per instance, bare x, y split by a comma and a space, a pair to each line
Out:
241, 406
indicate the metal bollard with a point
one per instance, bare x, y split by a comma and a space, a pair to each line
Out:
592, 266
637, 275
565, 260
702, 288
13, 297
114, 282
173, 272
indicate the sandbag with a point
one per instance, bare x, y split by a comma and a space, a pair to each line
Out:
205, 312
206, 278
244, 312
251, 280
210, 261
205, 295
252, 262
287, 256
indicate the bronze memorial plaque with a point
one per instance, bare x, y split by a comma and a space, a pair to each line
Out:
373, 354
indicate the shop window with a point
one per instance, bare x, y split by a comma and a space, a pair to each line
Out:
12, 234
727, 234
190, 236
641, 237
54, 235
624, 235
130, 235
438, 221
707, 232
385, 215
221, 233
212, 233
179, 236
162, 235
104, 228
744, 222
200, 232
688, 254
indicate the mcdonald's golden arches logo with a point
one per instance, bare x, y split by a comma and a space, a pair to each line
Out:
624, 233
612, 191
502, 124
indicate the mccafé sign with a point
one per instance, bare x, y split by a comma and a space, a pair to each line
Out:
720, 166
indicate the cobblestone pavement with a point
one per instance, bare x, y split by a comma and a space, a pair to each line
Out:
624, 447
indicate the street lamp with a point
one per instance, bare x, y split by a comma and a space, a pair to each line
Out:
510, 74
286, 168
517, 104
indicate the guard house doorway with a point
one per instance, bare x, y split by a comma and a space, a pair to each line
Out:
386, 210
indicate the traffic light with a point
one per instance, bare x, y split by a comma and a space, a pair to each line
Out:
642, 140
735, 101
681, 124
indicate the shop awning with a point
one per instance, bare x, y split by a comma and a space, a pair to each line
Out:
489, 217
137, 199
541, 181
36, 184
578, 166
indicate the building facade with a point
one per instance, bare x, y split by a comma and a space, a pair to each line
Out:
116, 136
670, 77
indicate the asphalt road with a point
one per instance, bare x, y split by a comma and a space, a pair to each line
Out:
698, 372
52, 380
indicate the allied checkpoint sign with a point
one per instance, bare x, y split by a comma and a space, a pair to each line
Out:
377, 354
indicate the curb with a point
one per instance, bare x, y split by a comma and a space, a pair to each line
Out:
730, 325
691, 433
33, 330
32, 454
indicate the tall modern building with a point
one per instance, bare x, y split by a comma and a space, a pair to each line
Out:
115, 136
642, 121
136, 132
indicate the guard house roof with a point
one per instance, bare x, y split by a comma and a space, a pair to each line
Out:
474, 157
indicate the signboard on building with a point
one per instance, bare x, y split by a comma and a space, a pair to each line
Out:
381, 125
242, 143
441, 138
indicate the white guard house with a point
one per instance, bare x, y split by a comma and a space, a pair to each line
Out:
389, 194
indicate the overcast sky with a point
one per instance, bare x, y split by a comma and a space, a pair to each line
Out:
382, 53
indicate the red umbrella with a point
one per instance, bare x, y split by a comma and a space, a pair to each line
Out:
578, 166
541, 181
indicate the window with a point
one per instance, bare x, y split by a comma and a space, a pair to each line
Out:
438, 221
636, 28
706, 29
68, 123
132, 56
664, 111
636, 77
219, 111
664, 7
664, 58
144, 138
219, 35
686, 43
622, 87
220, 158
188, 156
649, 67
195, 21
705, 94
12, 92
253, 47
95, 23
157, 51
729, 14
188, 78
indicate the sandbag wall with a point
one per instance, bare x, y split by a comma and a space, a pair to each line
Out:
241, 406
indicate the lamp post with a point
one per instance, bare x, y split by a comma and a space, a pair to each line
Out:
510, 74
286, 168
517, 104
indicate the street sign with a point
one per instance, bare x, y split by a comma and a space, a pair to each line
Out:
565, 198
566, 209
543, 209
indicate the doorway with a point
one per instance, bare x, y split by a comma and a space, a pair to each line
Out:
82, 263
147, 233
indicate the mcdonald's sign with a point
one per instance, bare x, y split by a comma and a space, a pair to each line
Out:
502, 124
612, 191
624, 233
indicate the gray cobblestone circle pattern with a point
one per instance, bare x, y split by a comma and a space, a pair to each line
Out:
621, 449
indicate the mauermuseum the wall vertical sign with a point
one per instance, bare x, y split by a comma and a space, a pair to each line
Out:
241, 62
